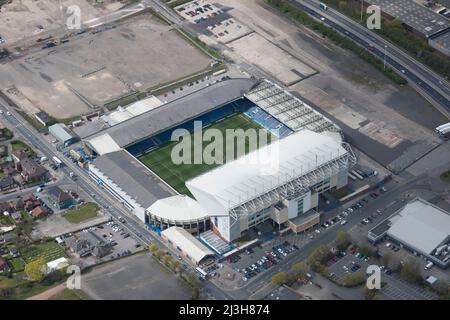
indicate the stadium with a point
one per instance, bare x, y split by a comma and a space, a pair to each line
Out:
223, 200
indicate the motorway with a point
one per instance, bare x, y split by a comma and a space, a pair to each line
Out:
432, 86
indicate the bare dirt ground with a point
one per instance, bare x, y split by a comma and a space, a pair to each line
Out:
22, 19
70, 79
392, 124
135, 277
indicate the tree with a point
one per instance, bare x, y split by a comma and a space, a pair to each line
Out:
167, 259
35, 270
299, 270
280, 278
176, 265
386, 259
153, 248
411, 272
321, 254
442, 288
343, 240
366, 251
354, 280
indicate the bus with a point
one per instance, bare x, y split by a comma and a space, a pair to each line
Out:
202, 274
356, 174
443, 131
442, 127
351, 176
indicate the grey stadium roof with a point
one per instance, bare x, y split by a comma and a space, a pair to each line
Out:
132, 177
177, 112
421, 226
420, 18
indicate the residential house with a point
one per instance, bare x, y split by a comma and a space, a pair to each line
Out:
9, 170
6, 238
4, 267
19, 155
5, 207
38, 212
17, 216
18, 204
59, 198
7, 183
31, 171
89, 243
42, 117
3, 150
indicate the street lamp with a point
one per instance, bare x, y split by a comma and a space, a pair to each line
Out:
362, 8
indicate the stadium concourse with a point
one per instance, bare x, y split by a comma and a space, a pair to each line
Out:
230, 198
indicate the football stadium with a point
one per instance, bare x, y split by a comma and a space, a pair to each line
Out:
220, 201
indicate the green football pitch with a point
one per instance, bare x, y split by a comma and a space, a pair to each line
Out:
160, 160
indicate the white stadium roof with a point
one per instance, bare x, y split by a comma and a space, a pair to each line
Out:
243, 180
178, 208
187, 243
104, 144
421, 226
133, 110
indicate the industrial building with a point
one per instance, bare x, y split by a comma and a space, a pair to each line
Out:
418, 19
187, 245
420, 227
63, 134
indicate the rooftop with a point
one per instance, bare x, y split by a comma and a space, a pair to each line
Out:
176, 112
132, 177
178, 208
418, 17
61, 132
187, 243
421, 225
263, 170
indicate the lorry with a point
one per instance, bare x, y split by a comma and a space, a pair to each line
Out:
323, 6
57, 162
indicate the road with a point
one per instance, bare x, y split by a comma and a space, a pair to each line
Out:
429, 84
114, 208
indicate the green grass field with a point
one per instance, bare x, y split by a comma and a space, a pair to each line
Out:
49, 250
88, 211
160, 161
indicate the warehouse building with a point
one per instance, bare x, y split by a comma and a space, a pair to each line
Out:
63, 134
420, 227
418, 19
187, 245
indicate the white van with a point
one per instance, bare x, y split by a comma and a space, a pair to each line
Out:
429, 265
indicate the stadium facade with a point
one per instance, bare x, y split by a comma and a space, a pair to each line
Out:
312, 159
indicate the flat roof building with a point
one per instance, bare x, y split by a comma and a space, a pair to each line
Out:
420, 227
129, 181
418, 18
63, 134
187, 245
